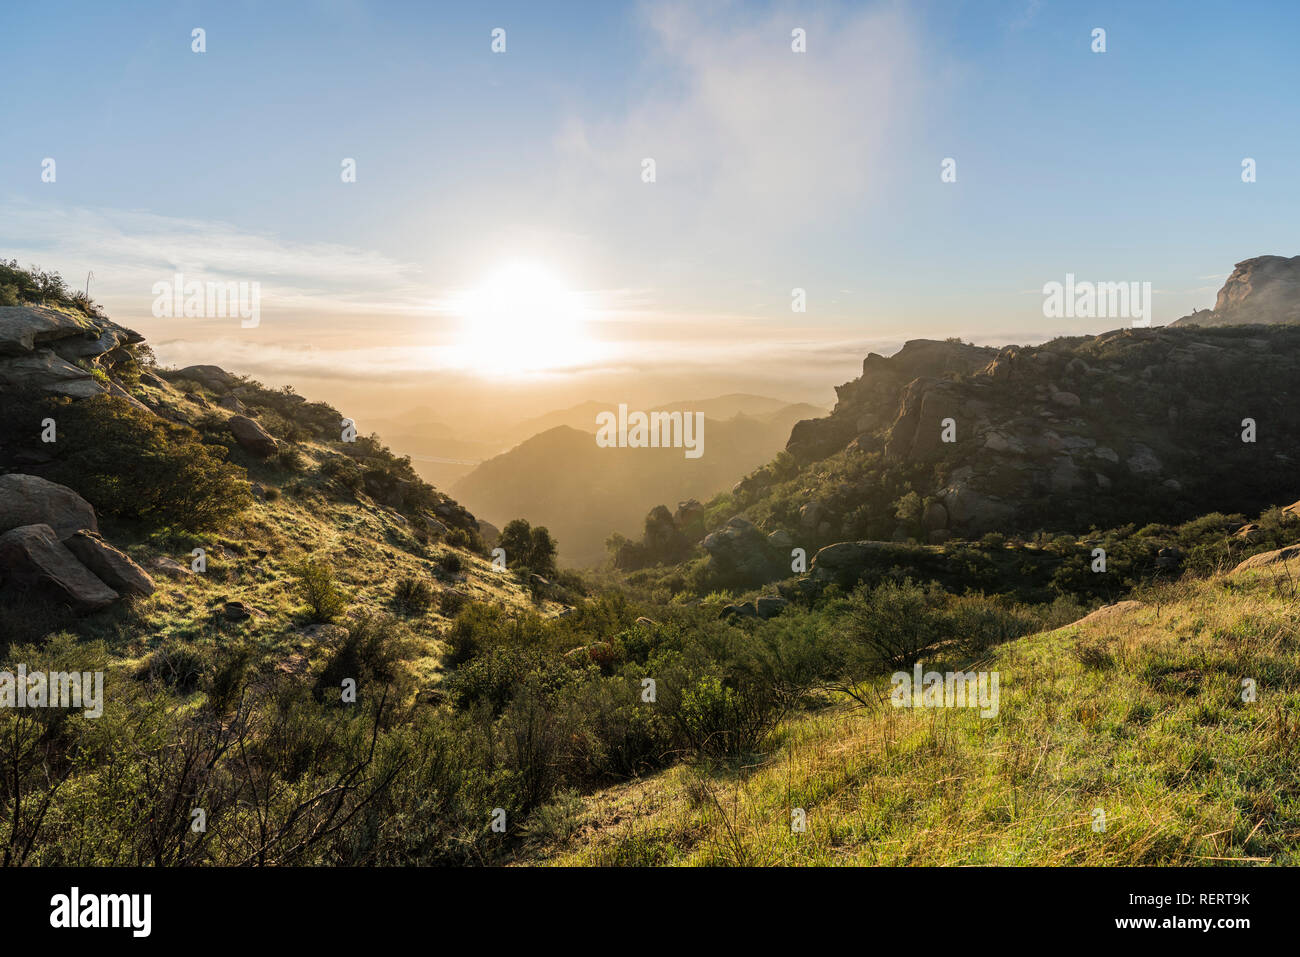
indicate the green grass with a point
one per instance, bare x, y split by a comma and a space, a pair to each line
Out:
1139, 716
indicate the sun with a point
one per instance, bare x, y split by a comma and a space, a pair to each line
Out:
522, 318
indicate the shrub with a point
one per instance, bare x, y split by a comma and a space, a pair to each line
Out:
720, 720
893, 624
370, 655
451, 602
413, 595
130, 463
318, 590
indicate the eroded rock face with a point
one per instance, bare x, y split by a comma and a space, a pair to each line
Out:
1265, 289
32, 558
40, 349
32, 500
1062, 435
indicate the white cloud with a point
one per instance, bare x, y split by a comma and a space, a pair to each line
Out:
749, 134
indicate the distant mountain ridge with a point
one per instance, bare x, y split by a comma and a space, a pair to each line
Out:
583, 493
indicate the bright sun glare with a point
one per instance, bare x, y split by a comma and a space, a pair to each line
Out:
522, 318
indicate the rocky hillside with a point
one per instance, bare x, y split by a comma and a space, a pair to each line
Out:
113, 472
1263, 290
948, 441
1133, 423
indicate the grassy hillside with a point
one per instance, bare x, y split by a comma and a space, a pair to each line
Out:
1138, 713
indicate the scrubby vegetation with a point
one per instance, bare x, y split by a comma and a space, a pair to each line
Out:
349, 678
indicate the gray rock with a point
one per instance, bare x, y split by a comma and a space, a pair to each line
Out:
111, 566
32, 500
252, 437
210, 377
32, 557
22, 328
43, 370
744, 610
770, 605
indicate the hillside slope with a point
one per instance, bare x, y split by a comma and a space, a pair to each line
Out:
1132, 719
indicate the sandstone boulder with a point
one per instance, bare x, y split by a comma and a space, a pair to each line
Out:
33, 558
252, 437
1264, 559
32, 500
111, 566
210, 377
739, 549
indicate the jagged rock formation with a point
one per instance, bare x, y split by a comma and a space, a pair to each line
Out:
51, 350
1263, 290
946, 440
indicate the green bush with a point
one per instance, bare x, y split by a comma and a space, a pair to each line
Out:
413, 595
130, 463
370, 655
317, 587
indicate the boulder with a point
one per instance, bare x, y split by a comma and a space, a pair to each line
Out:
23, 328
846, 561
688, 513
32, 557
111, 566
812, 515
660, 530
1143, 461
1263, 559
32, 500
210, 377
1108, 612
770, 605
739, 549
171, 568
934, 517
252, 437
781, 540
744, 610
236, 611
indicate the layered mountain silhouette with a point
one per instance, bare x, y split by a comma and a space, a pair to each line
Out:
946, 440
583, 493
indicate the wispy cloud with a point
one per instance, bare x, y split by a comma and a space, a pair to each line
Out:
130, 250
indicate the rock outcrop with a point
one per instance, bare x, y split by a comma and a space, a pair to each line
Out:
108, 564
51, 546
1138, 424
1263, 290
33, 559
43, 349
32, 500
252, 437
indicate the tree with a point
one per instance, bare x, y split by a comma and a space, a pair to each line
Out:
529, 547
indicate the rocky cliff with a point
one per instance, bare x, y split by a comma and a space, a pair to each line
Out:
1263, 290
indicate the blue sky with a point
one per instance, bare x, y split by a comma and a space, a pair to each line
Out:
774, 169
